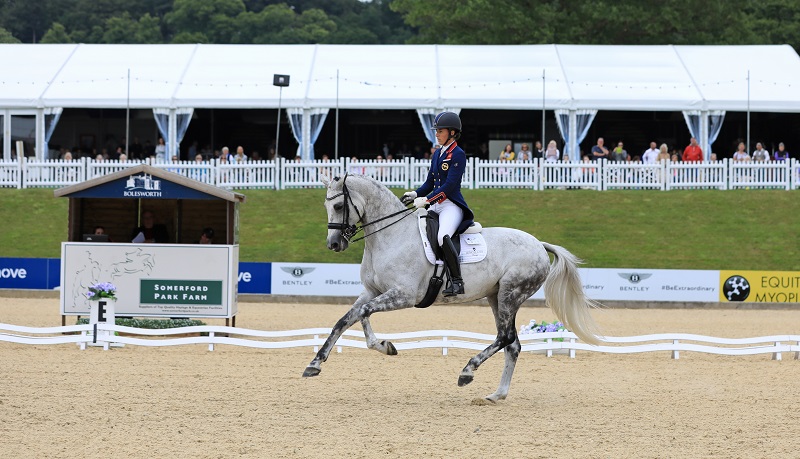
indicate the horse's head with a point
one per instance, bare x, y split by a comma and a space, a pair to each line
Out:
345, 209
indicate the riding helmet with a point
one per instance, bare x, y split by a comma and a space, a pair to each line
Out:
448, 120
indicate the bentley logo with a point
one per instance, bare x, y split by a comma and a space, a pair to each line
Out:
297, 272
634, 278
445, 166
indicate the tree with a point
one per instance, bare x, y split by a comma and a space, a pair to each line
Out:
6, 37
213, 18
57, 33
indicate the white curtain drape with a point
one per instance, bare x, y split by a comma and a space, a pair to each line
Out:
317, 118
693, 122
161, 116
183, 116
704, 126
715, 119
295, 116
51, 117
573, 126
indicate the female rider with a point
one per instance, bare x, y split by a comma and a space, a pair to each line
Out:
442, 192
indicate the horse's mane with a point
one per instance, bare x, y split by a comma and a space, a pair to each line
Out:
371, 188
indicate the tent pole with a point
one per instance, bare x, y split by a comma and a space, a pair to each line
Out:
128, 116
543, 96
748, 111
278, 127
336, 142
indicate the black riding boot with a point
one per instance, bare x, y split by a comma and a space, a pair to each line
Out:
456, 283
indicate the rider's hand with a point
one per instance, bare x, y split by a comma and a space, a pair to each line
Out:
421, 202
408, 197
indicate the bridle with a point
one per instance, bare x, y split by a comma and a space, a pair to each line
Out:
348, 230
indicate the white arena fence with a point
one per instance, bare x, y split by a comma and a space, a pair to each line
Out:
410, 173
107, 336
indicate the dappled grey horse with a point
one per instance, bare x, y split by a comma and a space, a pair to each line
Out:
395, 274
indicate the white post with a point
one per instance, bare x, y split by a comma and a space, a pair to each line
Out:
40, 128
6, 135
172, 135
704, 135
306, 135
573, 136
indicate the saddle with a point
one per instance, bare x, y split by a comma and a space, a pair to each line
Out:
432, 231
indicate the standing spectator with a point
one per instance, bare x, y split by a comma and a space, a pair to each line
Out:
135, 149
619, 154
650, 156
524, 153
226, 155
760, 155
740, 155
781, 154
539, 150
552, 154
663, 153
692, 152
240, 156
599, 151
149, 149
507, 154
161, 151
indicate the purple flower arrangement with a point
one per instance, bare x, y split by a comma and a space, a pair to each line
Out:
543, 327
102, 290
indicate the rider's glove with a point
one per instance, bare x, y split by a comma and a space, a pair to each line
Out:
408, 197
421, 202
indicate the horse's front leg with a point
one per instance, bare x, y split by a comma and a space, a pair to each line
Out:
363, 308
382, 346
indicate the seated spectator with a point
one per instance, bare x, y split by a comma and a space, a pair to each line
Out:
619, 154
99, 231
740, 155
507, 154
149, 231
552, 154
206, 236
760, 155
524, 153
780, 154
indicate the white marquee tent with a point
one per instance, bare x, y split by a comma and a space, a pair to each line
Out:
573, 80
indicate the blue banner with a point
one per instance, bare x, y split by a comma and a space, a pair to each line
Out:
45, 274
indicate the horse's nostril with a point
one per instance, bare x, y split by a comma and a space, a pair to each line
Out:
334, 246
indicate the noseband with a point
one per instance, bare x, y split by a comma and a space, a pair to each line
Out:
348, 230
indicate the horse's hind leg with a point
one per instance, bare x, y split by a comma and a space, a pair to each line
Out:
382, 346
505, 315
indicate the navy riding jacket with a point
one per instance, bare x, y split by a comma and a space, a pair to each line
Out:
444, 180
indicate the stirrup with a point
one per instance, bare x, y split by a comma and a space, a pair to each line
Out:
454, 287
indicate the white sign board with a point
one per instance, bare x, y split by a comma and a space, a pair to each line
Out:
316, 279
162, 280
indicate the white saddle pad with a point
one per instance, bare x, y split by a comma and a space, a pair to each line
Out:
473, 245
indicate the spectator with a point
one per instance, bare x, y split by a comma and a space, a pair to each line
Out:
149, 149
255, 156
206, 236
712, 158
123, 158
780, 154
650, 156
619, 154
539, 150
740, 155
226, 153
161, 151
135, 149
552, 154
663, 153
599, 151
68, 156
692, 152
507, 154
760, 155
524, 153
99, 158
240, 156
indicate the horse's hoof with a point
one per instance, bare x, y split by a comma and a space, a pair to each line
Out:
463, 380
390, 349
311, 371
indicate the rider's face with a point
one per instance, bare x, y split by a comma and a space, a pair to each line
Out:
442, 135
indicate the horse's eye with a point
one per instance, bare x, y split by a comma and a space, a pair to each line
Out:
337, 206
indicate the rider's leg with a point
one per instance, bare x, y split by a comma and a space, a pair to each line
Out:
450, 216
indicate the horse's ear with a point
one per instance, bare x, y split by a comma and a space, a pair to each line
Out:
325, 180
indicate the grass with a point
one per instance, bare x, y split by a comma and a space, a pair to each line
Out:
696, 229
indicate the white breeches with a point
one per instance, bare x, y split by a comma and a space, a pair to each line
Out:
450, 216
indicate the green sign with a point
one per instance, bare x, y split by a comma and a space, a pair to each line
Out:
160, 291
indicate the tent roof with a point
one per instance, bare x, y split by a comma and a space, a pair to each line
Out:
402, 76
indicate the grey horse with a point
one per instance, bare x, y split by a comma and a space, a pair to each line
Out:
395, 275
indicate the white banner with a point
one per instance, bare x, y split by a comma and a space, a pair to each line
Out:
623, 284
316, 279
161, 280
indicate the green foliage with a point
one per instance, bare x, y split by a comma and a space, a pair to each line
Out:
6, 37
693, 229
153, 324
56, 34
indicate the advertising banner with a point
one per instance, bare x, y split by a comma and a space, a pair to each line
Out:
163, 280
255, 277
759, 286
23, 273
320, 279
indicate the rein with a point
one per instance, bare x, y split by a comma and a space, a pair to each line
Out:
348, 231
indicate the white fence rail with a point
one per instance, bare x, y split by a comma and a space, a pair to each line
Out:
562, 341
411, 173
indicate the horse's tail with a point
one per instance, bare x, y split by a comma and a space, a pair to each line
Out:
564, 295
